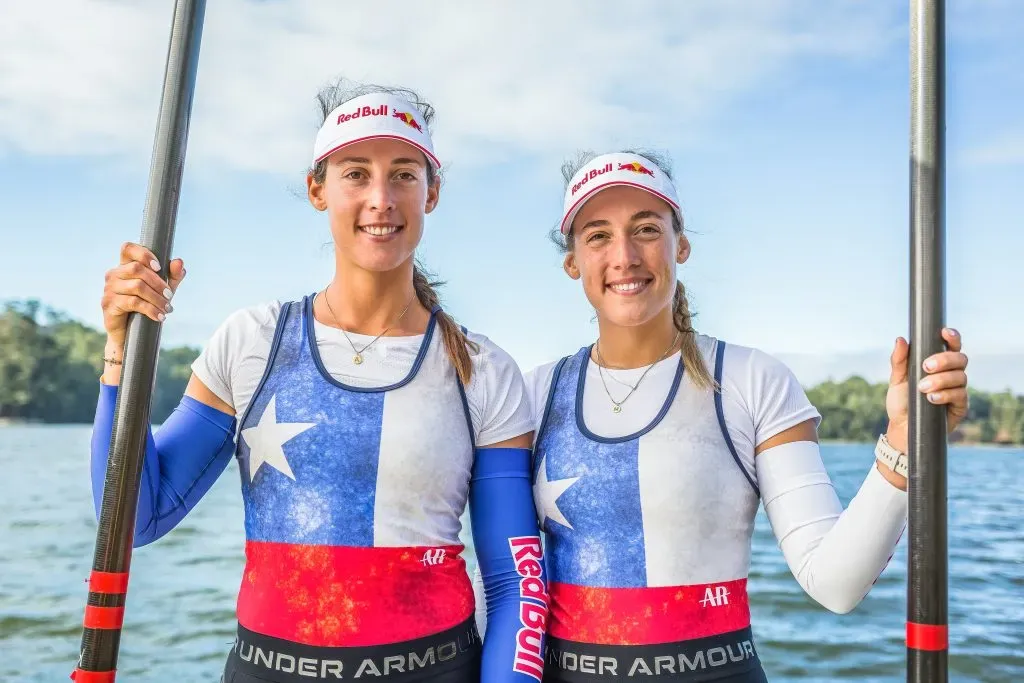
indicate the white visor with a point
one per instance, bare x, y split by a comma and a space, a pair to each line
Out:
377, 115
609, 170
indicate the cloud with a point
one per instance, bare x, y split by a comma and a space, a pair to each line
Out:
531, 77
1006, 149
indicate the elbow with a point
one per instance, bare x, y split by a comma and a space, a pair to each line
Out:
148, 531
837, 600
840, 606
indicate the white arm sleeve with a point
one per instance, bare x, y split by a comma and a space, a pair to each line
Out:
836, 555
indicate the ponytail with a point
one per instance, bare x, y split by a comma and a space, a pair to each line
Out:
693, 359
455, 341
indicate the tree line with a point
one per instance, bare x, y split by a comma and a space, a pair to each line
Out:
50, 367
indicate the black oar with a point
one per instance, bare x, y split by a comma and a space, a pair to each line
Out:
927, 595
108, 582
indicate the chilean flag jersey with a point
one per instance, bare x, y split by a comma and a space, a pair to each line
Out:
648, 538
353, 498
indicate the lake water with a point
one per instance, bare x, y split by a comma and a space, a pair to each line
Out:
180, 616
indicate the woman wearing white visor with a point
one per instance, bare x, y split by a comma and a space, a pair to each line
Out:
366, 420
655, 445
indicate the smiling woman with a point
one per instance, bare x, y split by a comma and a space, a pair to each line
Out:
367, 420
655, 446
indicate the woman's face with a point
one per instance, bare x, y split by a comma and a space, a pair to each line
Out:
625, 251
376, 195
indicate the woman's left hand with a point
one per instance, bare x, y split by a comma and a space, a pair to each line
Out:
944, 382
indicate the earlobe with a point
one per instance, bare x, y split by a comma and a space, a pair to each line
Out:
683, 251
433, 197
569, 265
315, 193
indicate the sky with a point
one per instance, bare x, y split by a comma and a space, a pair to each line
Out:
787, 122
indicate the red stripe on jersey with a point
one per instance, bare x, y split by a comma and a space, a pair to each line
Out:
336, 596
647, 616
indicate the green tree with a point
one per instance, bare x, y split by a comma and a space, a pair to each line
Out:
50, 367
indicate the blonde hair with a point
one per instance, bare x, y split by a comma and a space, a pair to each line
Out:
456, 343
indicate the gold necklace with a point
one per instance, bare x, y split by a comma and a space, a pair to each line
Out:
600, 371
358, 357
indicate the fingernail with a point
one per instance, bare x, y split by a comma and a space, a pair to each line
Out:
929, 365
934, 398
154, 264
925, 384
161, 316
953, 332
170, 308
168, 293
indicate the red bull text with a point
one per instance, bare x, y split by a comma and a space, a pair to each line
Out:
533, 606
594, 172
382, 110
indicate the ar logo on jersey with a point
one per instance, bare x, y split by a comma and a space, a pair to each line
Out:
433, 557
715, 596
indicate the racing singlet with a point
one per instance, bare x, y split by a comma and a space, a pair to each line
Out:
352, 505
648, 539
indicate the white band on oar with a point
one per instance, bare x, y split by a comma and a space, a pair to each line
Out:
609, 170
367, 117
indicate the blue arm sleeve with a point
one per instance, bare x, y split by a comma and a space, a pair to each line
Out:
183, 460
511, 560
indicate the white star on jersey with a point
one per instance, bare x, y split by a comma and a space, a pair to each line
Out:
546, 493
266, 441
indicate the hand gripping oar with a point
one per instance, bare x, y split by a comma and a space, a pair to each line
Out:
927, 589
108, 583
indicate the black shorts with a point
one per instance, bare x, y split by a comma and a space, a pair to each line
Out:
726, 658
452, 656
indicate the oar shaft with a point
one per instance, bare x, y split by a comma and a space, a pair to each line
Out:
927, 604
115, 534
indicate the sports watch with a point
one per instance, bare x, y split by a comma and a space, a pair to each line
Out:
894, 459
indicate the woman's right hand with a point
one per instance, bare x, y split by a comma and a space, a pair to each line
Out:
135, 286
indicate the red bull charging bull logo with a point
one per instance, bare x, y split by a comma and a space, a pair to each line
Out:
636, 167
408, 119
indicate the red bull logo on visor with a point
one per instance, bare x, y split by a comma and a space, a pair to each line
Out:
363, 112
408, 119
636, 167
594, 173
533, 606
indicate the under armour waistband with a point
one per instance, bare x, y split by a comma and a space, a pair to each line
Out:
726, 657
439, 657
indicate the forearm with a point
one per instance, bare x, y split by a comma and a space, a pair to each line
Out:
182, 461
510, 556
113, 358
835, 554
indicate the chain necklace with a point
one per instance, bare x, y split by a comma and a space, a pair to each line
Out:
617, 405
358, 357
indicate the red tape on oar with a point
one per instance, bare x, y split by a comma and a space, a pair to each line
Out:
81, 676
109, 583
103, 617
927, 637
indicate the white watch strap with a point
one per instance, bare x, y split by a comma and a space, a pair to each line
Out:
894, 459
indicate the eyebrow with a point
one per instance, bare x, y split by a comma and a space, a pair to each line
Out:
639, 215
394, 162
